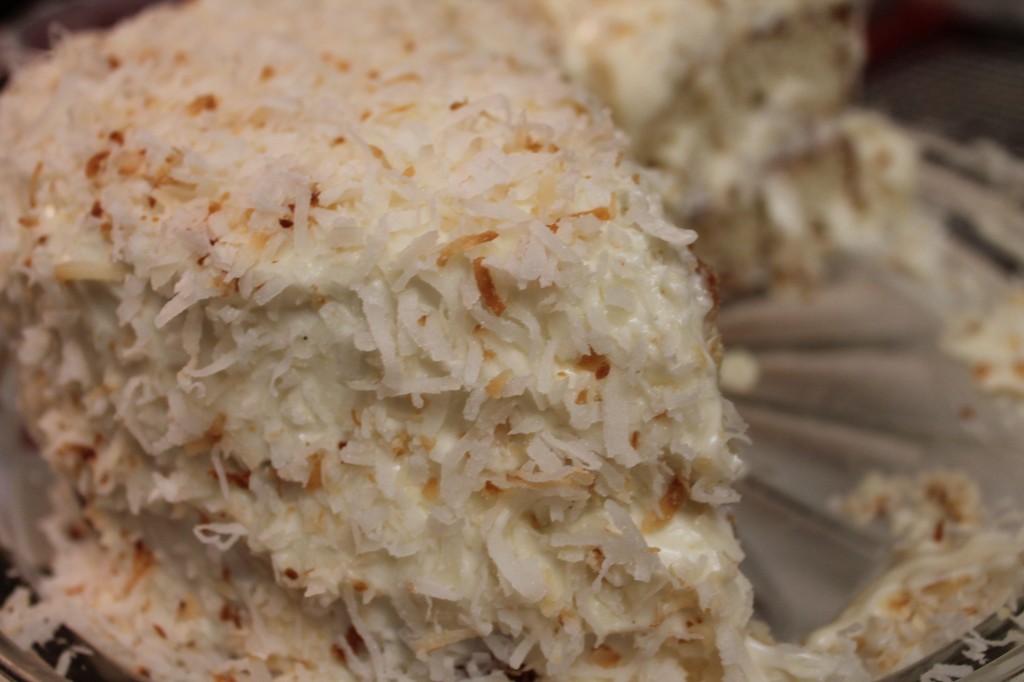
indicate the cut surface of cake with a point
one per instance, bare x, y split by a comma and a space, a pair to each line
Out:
381, 342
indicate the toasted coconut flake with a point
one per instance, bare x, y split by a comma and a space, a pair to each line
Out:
206, 102
596, 363
492, 300
463, 244
96, 163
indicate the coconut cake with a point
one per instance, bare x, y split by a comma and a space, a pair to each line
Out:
384, 339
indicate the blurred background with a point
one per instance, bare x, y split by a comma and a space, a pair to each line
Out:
954, 67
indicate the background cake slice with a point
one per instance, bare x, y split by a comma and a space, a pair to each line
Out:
744, 108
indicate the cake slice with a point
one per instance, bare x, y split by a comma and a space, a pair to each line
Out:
352, 328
